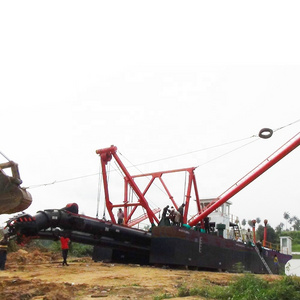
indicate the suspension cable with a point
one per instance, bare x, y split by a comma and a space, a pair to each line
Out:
274, 130
217, 157
169, 157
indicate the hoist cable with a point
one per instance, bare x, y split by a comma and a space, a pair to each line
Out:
145, 177
184, 189
135, 166
108, 176
4, 156
99, 190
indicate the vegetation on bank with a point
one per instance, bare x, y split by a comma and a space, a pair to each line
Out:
290, 228
76, 249
247, 287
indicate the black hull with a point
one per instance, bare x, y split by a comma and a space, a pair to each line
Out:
183, 247
165, 245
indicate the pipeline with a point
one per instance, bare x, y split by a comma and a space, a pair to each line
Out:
50, 223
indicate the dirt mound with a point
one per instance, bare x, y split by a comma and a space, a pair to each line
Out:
36, 274
33, 256
16, 288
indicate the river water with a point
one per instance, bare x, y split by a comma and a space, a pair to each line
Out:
293, 267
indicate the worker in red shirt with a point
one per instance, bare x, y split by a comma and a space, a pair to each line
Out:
64, 249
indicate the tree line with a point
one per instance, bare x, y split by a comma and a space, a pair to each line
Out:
292, 225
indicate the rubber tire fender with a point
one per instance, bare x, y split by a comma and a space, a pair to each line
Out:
265, 133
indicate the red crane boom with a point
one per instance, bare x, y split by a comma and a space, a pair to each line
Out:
248, 178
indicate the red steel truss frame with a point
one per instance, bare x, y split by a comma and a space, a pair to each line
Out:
191, 183
106, 155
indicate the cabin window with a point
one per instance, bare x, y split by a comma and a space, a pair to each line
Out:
227, 209
284, 242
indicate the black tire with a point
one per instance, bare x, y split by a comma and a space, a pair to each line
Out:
265, 133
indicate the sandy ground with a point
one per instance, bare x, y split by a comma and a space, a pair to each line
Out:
36, 275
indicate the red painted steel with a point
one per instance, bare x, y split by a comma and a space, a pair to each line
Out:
243, 182
191, 183
253, 231
106, 155
139, 219
265, 236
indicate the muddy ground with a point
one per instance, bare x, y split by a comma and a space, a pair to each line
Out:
40, 275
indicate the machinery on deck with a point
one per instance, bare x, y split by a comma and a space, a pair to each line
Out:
13, 198
184, 245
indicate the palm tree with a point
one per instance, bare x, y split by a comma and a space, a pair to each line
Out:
296, 222
279, 227
244, 222
296, 225
286, 216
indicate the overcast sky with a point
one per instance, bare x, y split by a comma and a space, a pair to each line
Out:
157, 79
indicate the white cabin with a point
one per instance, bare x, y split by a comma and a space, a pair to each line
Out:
286, 245
221, 216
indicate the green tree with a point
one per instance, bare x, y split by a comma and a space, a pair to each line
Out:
286, 216
279, 228
258, 220
271, 234
244, 222
296, 222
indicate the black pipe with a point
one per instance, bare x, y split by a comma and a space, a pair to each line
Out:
89, 239
50, 219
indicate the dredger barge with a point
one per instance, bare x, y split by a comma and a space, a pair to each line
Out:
186, 245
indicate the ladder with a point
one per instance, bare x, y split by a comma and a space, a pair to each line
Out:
262, 259
236, 231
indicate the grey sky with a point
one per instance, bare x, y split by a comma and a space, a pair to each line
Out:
156, 79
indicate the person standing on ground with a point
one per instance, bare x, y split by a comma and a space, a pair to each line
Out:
64, 249
276, 265
3, 252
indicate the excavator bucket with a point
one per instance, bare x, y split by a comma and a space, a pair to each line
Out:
13, 198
